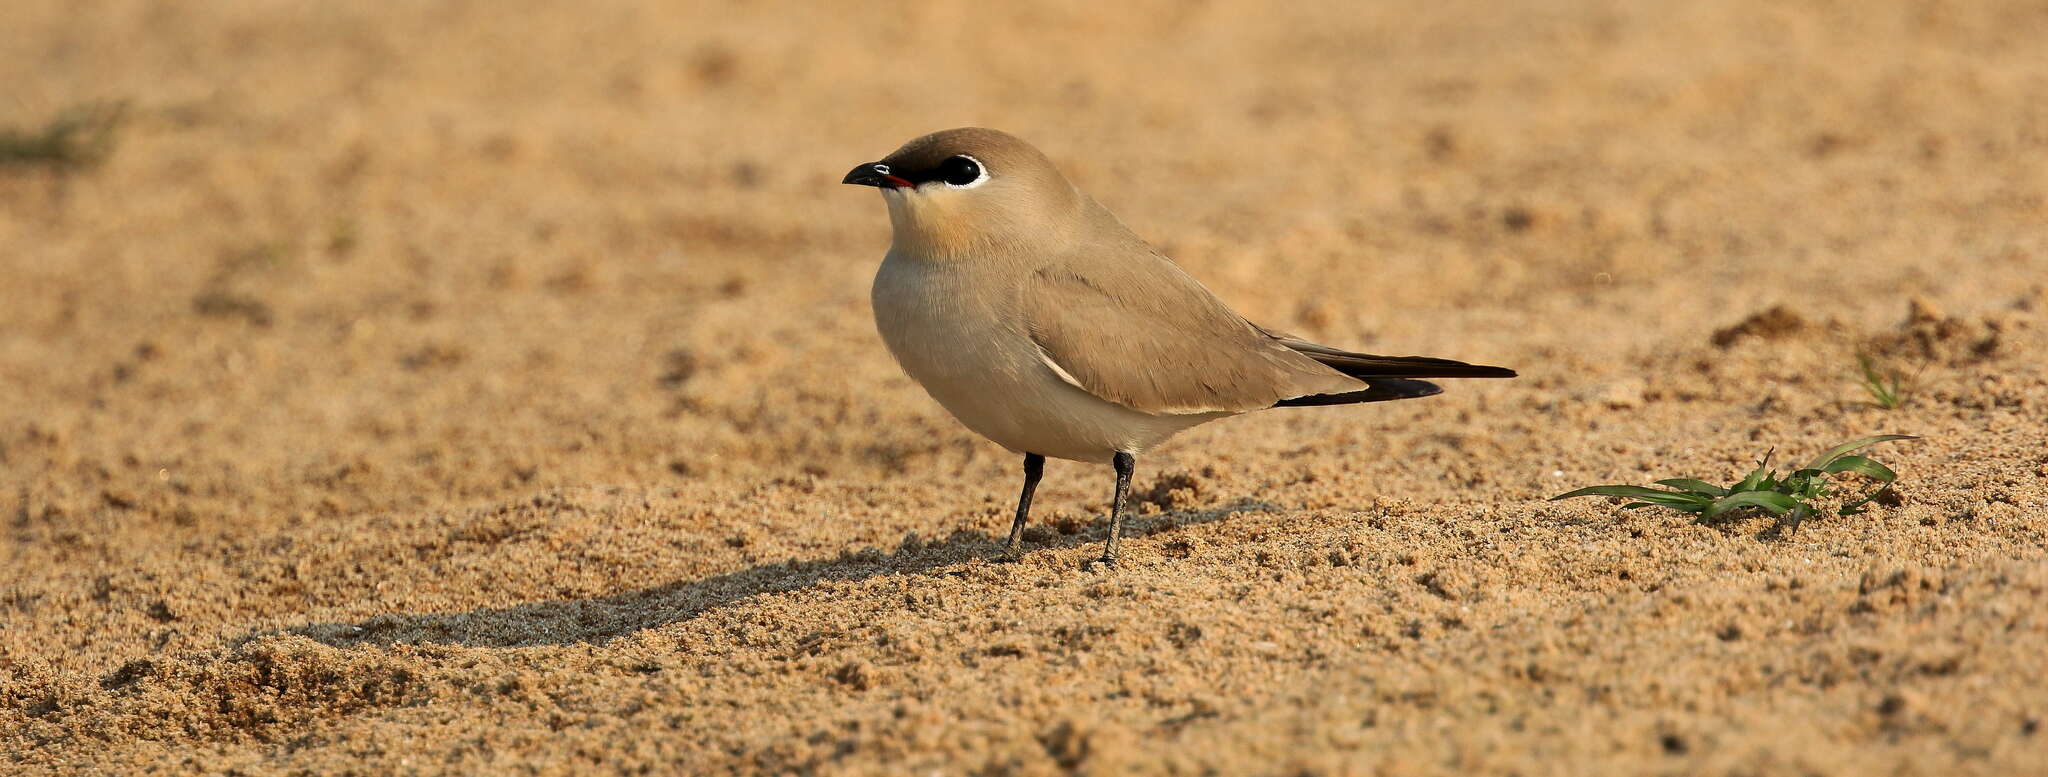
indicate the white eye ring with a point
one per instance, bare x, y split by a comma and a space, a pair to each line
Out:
978, 180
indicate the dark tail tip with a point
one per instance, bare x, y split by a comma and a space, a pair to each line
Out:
1378, 390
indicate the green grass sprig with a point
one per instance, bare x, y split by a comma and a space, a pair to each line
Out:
78, 138
1790, 497
1885, 387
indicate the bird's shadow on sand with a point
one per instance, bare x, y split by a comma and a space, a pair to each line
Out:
599, 619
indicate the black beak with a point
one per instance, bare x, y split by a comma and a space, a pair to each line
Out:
873, 174
866, 174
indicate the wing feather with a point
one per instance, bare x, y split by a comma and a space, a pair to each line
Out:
1145, 335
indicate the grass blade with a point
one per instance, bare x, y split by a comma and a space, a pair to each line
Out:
1777, 503
1647, 495
1862, 466
1689, 484
1687, 503
1798, 516
1750, 481
1886, 392
1821, 463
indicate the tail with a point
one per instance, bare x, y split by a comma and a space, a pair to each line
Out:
1386, 377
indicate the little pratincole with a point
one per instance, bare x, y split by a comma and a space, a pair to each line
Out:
1044, 324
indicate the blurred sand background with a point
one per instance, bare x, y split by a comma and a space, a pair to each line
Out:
470, 388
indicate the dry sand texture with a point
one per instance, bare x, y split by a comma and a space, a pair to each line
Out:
466, 387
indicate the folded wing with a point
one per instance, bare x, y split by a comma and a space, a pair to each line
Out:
1145, 335
1140, 332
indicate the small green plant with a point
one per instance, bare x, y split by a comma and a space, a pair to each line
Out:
1790, 498
1885, 387
77, 138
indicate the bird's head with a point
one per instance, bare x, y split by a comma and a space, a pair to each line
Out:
952, 192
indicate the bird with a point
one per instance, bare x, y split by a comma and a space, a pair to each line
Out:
1041, 322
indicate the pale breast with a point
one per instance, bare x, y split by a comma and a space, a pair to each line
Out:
954, 333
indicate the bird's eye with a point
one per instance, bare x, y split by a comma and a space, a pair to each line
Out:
960, 170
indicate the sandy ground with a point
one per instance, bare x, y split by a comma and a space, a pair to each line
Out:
466, 388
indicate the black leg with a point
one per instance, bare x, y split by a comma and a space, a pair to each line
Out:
1034, 466
1124, 463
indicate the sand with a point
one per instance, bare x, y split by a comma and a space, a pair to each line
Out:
490, 388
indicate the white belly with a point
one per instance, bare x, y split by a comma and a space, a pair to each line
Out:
971, 353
